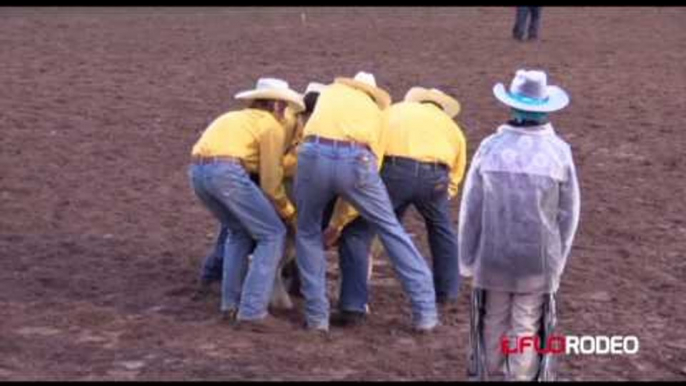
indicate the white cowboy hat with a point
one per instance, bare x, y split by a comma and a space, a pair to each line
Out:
315, 87
449, 104
529, 91
366, 82
274, 88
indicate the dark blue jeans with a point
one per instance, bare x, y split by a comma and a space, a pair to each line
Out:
408, 183
521, 19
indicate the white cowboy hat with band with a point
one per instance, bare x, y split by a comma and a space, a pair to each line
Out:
449, 104
529, 91
275, 89
366, 82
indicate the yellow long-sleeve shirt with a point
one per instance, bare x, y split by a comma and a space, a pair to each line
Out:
422, 132
290, 158
425, 133
259, 140
346, 113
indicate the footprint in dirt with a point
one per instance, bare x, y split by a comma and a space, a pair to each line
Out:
43, 331
108, 339
184, 291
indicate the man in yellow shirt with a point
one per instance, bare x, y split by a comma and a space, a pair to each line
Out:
343, 143
423, 165
236, 144
212, 267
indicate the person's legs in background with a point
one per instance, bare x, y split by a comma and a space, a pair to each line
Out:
521, 16
535, 23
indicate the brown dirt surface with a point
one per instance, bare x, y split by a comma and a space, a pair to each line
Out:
101, 238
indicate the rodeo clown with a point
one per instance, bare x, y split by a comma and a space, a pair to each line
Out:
340, 156
518, 217
423, 165
234, 146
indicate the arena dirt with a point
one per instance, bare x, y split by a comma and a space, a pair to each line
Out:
101, 237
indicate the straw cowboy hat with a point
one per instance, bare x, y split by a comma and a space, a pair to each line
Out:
529, 91
449, 104
366, 82
273, 88
315, 87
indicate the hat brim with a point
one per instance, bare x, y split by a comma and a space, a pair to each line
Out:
557, 100
293, 98
381, 97
449, 104
314, 87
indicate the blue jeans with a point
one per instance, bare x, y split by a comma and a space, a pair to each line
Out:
325, 171
212, 267
253, 226
409, 183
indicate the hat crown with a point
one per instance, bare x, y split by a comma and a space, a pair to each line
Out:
530, 84
271, 84
438, 91
366, 78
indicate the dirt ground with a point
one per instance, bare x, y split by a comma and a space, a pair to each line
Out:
101, 238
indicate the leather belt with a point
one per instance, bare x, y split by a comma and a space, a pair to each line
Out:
203, 160
395, 160
336, 142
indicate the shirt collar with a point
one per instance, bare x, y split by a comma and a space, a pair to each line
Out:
545, 129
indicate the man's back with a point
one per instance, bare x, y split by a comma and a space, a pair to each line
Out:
345, 113
424, 132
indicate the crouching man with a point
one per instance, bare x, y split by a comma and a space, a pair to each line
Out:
423, 165
518, 217
340, 156
235, 145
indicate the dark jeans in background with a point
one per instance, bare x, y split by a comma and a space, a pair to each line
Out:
521, 19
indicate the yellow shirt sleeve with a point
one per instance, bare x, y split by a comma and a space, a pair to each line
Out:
290, 159
380, 146
271, 171
290, 164
457, 172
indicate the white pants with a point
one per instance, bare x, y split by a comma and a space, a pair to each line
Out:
513, 315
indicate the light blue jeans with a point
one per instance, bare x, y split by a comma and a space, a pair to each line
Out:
253, 227
212, 266
325, 171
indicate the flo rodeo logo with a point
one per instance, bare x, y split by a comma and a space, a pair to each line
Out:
572, 345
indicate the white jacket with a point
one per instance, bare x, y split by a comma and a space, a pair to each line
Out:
519, 211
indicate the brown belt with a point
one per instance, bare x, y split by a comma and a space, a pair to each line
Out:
203, 160
395, 160
336, 142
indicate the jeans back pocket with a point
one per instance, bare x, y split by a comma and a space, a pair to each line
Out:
365, 170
